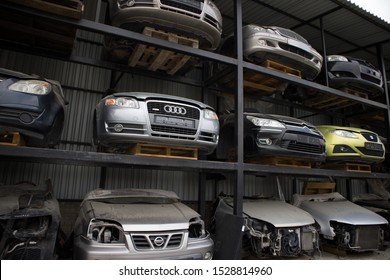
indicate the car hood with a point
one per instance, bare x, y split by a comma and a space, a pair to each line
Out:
276, 212
334, 207
145, 217
159, 96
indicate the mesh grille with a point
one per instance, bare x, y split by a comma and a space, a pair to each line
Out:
174, 130
157, 242
302, 147
193, 6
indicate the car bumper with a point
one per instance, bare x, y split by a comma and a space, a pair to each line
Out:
30, 119
342, 74
87, 250
284, 52
124, 127
202, 26
284, 144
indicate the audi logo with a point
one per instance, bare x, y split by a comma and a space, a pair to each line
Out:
158, 241
175, 110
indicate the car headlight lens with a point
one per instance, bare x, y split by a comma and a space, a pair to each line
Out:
337, 58
122, 102
344, 133
196, 228
37, 87
210, 114
265, 122
105, 231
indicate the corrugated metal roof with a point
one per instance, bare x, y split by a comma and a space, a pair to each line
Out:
350, 30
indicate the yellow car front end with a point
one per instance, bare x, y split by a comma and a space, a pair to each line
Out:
351, 144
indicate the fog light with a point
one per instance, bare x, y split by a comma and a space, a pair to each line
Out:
26, 118
342, 149
118, 127
265, 141
208, 256
262, 42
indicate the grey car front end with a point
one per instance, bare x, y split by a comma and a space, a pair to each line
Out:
344, 223
192, 18
283, 46
273, 227
139, 224
123, 119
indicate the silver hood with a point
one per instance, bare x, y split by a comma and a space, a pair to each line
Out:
334, 207
276, 212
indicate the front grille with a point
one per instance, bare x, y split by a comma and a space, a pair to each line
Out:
192, 6
14, 114
371, 79
155, 107
302, 147
368, 152
296, 50
157, 241
292, 34
370, 136
212, 21
208, 137
127, 128
366, 237
174, 130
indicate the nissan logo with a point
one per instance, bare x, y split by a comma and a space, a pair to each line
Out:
175, 110
158, 241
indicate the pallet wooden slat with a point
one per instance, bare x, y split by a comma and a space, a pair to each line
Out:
328, 102
318, 187
155, 59
281, 161
349, 166
164, 151
11, 139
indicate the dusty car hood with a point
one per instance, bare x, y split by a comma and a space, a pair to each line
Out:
144, 217
281, 118
276, 212
336, 209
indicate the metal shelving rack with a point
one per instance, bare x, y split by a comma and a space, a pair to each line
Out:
239, 168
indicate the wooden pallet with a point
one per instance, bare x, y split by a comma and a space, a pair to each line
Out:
329, 102
154, 59
257, 82
348, 166
11, 139
281, 161
152, 150
318, 187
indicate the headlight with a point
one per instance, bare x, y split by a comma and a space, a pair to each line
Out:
105, 232
196, 228
122, 102
337, 58
210, 114
345, 134
265, 122
37, 87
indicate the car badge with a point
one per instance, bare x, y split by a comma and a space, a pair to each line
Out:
159, 241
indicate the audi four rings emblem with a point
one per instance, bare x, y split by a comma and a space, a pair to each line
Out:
158, 241
175, 110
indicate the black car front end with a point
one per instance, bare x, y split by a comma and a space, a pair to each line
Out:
280, 136
354, 73
32, 106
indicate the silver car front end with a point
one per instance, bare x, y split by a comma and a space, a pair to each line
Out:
123, 120
283, 46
